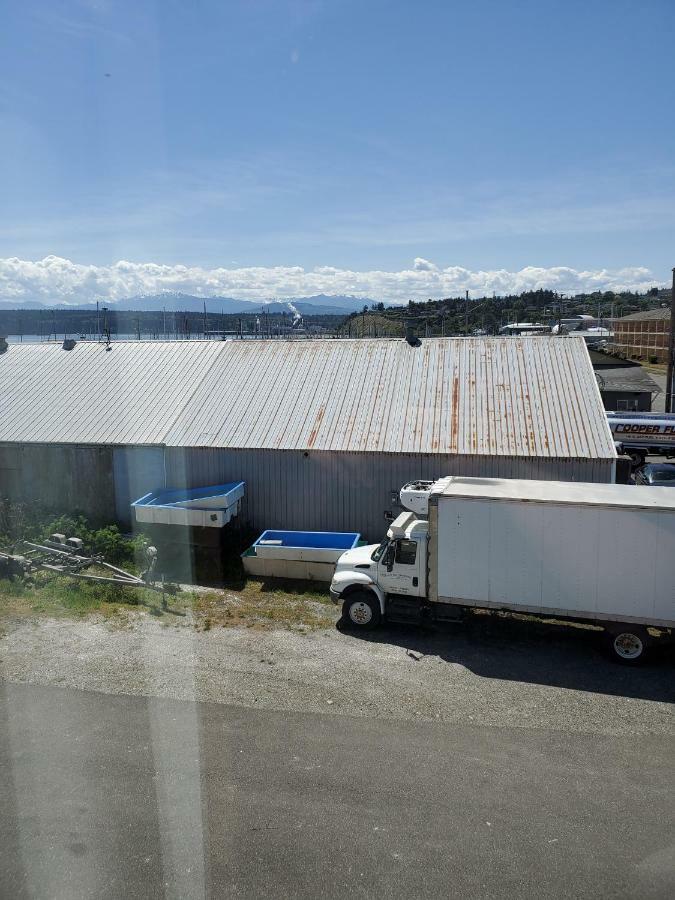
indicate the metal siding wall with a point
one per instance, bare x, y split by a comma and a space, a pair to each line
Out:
137, 470
285, 489
345, 491
61, 478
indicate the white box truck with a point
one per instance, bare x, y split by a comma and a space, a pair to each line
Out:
593, 553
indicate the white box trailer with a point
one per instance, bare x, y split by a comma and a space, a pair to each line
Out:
595, 553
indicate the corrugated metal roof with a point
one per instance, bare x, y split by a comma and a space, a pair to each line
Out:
491, 396
130, 394
495, 396
626, 378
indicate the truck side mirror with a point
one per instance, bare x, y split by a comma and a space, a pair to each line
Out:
389, 558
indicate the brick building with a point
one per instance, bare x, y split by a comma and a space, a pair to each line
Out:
643, 335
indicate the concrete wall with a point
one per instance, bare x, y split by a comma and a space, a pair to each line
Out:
284, 489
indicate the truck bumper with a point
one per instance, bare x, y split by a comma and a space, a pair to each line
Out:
334, 596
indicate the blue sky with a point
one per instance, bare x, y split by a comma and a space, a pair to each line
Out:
337, 139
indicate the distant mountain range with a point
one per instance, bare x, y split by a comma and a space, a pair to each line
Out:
319, 305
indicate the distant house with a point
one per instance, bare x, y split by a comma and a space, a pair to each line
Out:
643, 336
323, 432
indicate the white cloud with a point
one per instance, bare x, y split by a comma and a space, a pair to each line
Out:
57, 280
423, 265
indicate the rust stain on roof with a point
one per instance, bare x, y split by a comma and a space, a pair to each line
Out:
317, 423
454, 421
503, 396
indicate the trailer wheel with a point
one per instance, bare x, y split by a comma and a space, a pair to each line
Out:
362, 609
628, 646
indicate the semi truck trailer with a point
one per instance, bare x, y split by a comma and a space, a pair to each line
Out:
599, 554
638, 435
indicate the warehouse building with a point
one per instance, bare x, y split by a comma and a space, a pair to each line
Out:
323, 432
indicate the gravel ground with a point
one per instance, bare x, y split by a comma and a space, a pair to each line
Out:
491, 672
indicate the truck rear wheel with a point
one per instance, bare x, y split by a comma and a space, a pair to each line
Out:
628, 645
362, 609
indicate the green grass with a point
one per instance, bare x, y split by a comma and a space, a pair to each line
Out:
56, 596
294, 605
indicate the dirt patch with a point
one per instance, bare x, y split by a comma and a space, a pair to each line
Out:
261, 606
485, 672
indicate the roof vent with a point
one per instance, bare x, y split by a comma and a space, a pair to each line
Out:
68, 343
410, 335
3, 344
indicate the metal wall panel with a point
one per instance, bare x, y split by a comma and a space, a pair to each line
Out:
345, 491
284, 489
60, 479
137, 471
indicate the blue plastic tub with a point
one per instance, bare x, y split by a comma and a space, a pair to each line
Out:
309, 540
298, 554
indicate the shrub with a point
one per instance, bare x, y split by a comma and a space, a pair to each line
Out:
29, 522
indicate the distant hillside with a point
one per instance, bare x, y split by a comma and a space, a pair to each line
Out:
321, 304
456, 316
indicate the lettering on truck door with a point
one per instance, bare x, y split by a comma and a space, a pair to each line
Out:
404, 572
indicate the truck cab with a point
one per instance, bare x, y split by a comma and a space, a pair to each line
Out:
368, 579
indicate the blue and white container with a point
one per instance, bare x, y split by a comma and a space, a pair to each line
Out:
205, 507
307, 555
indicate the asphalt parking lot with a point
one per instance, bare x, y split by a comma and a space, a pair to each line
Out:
494, 760
118, 796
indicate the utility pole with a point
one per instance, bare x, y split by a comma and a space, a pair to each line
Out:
466, 314
670, 387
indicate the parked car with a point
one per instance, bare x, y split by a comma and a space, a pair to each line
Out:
661, 474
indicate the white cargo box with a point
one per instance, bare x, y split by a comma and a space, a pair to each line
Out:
596, 551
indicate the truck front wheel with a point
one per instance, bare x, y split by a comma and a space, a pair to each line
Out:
628, 645
362, 608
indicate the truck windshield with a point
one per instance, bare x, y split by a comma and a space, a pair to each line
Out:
378, 551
